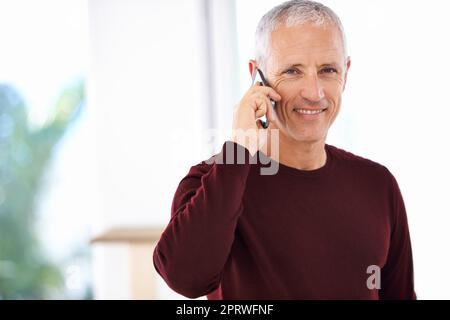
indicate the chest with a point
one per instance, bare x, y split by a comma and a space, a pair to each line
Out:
317, 221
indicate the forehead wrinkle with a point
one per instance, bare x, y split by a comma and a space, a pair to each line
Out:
305, 47
287, 42
331, 57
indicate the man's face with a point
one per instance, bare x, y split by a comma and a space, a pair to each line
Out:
306, 67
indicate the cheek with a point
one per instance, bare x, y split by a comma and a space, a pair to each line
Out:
333, 93
336, 107
285, 104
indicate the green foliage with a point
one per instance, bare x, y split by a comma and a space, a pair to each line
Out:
25, 272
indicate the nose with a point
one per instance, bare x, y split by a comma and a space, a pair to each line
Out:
312, 88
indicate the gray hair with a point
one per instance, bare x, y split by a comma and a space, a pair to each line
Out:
291, 13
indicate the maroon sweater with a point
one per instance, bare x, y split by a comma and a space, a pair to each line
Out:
237, 234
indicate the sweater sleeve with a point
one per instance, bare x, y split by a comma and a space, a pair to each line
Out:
195, 245
397, 278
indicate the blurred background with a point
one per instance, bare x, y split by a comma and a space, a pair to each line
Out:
106, 104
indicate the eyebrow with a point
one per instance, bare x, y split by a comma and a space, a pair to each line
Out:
330, 64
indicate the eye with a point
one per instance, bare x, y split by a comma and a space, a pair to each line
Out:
291, 71
329, 70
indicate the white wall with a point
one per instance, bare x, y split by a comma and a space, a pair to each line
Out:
146, 86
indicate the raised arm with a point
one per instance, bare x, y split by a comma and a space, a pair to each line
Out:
195, 245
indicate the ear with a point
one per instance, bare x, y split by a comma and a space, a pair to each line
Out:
348, 64
252, 66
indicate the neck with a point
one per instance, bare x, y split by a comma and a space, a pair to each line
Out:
310, 155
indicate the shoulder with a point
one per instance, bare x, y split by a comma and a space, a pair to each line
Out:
189, 185
230, 154
359, 165
200, 169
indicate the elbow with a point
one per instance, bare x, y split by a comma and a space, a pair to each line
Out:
181, 279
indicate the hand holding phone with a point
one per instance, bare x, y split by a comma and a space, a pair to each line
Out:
264, 122
260, 100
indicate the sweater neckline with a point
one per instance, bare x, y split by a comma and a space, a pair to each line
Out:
284, 169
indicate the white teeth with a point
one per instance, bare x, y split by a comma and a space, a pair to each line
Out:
304, 111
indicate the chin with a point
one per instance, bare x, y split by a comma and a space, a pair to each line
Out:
309, 137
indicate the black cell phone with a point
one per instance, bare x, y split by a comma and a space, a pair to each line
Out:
259, 74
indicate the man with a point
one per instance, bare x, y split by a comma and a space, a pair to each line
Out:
328, 225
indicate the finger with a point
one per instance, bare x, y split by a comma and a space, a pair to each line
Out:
268, 91
258, 102
260, 96
259, 113
267, 107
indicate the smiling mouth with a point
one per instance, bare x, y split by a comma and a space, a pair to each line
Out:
309, 111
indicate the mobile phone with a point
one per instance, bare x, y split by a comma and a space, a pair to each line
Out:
259, 76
